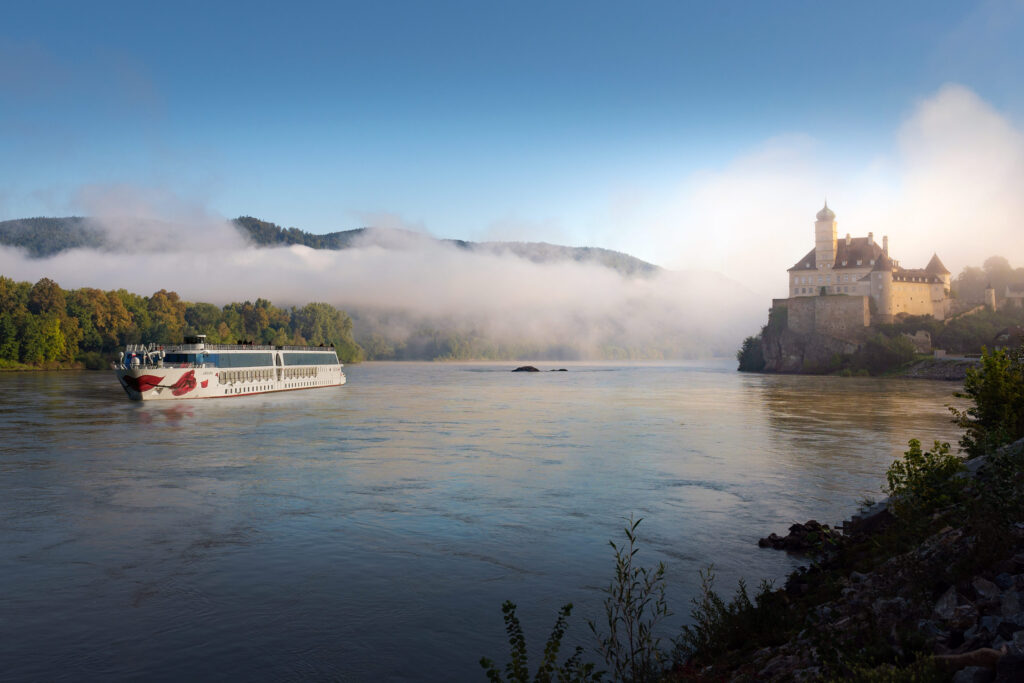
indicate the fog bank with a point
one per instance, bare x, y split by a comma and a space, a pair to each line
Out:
414, 281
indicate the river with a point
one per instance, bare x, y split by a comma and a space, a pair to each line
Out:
372, 531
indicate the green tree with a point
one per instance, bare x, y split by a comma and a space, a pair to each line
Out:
167, 317
46, 296
8, 338
751, 355
321, 323
996, 390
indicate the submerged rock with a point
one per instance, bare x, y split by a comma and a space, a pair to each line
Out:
526, 368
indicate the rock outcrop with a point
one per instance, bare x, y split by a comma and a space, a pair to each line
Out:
811, 352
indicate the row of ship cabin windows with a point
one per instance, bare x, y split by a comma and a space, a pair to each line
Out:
292, 385
226, 376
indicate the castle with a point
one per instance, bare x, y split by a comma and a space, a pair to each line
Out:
861, 269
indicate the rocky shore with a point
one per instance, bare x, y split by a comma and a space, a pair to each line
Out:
935, 598
948, 369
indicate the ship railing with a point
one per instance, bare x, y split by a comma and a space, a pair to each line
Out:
147, 348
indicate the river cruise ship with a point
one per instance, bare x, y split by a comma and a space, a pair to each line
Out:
195, 369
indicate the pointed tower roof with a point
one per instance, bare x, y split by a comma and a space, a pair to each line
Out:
826, 214
935, 266
883, 263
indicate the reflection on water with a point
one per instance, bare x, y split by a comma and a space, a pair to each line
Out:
372, 531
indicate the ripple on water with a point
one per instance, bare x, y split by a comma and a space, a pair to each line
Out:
373, 531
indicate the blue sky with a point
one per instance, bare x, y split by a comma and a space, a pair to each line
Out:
476, 119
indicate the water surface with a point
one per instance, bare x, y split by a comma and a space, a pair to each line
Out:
371, 532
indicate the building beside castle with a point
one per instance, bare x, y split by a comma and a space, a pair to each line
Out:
861, 267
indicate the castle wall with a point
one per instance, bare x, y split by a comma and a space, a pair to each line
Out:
840, 316
836, 316
916, 298
845, 281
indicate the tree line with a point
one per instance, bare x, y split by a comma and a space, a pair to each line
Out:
43, 325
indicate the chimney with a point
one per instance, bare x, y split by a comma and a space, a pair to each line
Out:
871, 238
847, 239
885, 244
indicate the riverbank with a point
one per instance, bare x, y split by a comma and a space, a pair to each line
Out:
9, 366
944, 369
927, 585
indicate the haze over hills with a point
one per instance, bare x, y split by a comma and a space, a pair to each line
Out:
410, 295
42, 237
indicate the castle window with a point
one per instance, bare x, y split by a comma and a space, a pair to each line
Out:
859, 262
872, 261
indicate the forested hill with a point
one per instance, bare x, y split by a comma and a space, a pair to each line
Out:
265, 233
42, 237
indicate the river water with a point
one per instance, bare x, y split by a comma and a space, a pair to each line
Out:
372, 531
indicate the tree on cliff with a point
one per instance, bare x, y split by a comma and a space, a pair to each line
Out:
751, 355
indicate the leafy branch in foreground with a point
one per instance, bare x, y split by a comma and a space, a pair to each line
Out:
572, 670
996, 389
923, 481
633, 608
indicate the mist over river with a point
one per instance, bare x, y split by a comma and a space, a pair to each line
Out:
371, 532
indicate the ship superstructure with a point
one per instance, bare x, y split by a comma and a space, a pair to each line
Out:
196, 369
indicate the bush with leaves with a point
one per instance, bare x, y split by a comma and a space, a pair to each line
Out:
996, 390
923, 481
720, 626
572, 670
634, 605
751, 355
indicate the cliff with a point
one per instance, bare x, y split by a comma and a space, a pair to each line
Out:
806, 352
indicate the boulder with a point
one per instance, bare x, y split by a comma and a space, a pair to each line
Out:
801, 538
526, 368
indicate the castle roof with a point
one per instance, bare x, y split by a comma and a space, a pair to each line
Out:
826, 214
806, 263
935, 266
857, 254
859, 249
883, 263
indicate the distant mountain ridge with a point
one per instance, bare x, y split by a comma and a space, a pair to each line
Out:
42, 237
266, 234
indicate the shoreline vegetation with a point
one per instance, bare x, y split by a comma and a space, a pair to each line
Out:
926, 585
45, 327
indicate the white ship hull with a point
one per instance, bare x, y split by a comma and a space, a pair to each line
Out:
167, 384
214, 371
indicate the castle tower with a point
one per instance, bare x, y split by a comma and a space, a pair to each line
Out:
881, 289
990, 297
935, 267
825, 238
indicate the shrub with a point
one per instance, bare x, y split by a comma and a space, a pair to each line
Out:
751, 355
517, 669
633, 608
720, 627
997, 392
923, 481
883, 354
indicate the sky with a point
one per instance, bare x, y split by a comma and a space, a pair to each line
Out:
698, 136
